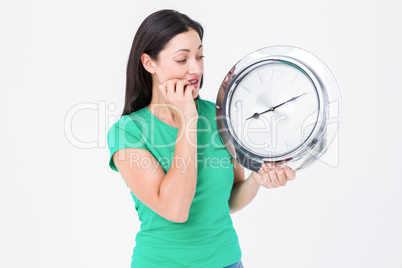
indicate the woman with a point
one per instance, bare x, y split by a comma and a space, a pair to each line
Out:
167, 149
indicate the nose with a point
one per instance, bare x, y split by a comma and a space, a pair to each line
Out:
196, 67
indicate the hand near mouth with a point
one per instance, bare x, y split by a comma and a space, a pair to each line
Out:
178, 94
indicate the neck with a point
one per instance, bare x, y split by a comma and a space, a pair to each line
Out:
159, 108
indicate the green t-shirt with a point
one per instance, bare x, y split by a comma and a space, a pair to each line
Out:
207, 238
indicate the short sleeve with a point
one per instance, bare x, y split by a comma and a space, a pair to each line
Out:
127, 132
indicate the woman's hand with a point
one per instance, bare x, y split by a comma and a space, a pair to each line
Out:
273, 176
178, 95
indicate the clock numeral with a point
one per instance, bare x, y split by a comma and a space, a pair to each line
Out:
294, 79
238, 105
286, 143
248, 90
259, 76
276, 74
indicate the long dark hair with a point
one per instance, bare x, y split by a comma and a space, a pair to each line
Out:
152, 36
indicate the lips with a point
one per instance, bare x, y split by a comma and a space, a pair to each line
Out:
194, 82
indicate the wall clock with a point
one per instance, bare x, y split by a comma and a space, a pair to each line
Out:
275, 105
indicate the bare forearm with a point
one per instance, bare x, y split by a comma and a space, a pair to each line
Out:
177, 189
243, 193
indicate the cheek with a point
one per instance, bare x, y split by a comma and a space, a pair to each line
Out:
171, 72
202, 67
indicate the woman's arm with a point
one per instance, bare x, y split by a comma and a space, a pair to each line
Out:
168, 194
244, 190
171, 194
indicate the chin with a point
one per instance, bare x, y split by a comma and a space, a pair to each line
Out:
196, 94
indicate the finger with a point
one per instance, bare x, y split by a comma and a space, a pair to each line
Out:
261, 170
170, 88
290, 174
258, 176
181, 86
269, 165
274, 178
266, 181
280, 173
265, 167
163, 89
188, 93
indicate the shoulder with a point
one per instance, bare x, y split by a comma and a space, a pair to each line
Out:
207, 114
207, 103
130, 127
130, 131
131, 121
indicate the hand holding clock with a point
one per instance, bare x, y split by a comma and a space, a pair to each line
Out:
272, 176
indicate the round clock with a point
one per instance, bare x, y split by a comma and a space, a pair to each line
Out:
275, 105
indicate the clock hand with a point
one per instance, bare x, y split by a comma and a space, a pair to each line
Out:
292, 99
256, 115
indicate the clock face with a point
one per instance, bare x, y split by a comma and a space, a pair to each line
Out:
272, 109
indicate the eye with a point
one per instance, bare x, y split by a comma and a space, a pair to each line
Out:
201, 57
181, 61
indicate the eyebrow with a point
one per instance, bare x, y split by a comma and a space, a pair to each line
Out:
186, 50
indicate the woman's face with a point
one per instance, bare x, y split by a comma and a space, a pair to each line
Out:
182, 58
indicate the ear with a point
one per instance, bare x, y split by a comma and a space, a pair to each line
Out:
148, 63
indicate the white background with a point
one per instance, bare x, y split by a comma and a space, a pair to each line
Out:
62, 206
